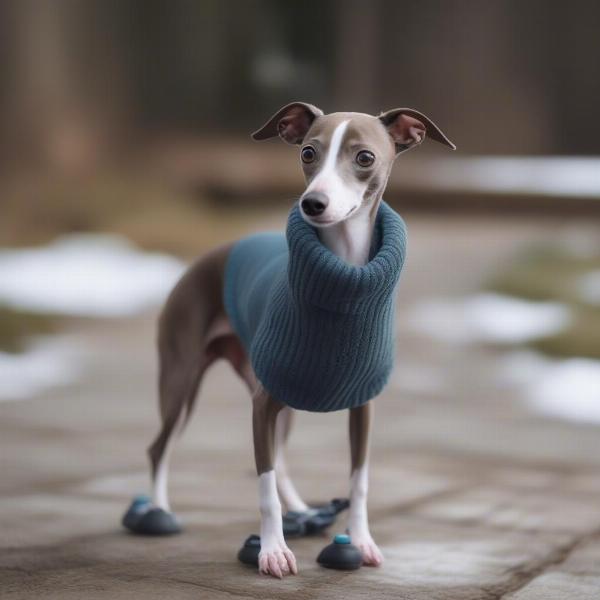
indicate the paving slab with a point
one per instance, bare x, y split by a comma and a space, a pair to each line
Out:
528, 510
575, 578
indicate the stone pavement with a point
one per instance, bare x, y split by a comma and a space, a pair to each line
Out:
472, 495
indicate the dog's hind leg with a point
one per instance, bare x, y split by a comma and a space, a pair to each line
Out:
300, 518
230, 348
188, 323
178, 387
181, 371
179, 379
285, 486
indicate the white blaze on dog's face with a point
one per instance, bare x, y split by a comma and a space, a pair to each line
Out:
346, 158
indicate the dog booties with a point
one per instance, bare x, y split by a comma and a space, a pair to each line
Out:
319, 332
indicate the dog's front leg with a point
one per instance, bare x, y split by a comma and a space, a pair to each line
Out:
358, 523
275, 557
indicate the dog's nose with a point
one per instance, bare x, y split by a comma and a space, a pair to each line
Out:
314, 204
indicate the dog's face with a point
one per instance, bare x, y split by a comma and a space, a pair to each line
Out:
346, 157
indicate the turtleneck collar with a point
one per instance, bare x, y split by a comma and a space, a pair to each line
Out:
318, 277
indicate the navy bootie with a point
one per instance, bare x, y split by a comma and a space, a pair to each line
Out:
314, 520
340, 555
144, 519
249, 552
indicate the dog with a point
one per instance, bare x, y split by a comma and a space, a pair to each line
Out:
346, 158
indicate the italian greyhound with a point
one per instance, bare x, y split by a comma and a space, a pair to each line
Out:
346, 158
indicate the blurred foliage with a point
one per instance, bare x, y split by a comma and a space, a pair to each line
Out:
552, 274
17, 325
151, 214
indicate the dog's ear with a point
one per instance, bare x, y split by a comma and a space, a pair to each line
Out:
408, 128
290, 123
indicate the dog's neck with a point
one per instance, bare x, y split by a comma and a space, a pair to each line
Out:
350, 240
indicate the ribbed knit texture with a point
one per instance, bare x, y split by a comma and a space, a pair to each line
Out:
319, 332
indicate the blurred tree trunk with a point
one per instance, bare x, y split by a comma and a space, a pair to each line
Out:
572, 64
466, 59
64, 90
357, 55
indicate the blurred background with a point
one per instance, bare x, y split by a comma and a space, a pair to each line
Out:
134, 118
125, 152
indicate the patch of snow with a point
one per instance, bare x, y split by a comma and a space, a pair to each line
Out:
86, 275
588, 287
490, 318
542, 175
46, 364
521, 367
567, 388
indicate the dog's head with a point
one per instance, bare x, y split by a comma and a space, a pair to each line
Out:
346, 157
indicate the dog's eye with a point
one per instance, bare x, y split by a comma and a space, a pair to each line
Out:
308, 154
365, 158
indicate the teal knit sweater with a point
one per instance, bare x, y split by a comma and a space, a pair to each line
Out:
319, 332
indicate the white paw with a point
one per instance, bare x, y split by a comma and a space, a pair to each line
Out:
372, 556
277, 560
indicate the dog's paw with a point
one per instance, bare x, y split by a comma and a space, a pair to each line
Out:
277, 560
372, 556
